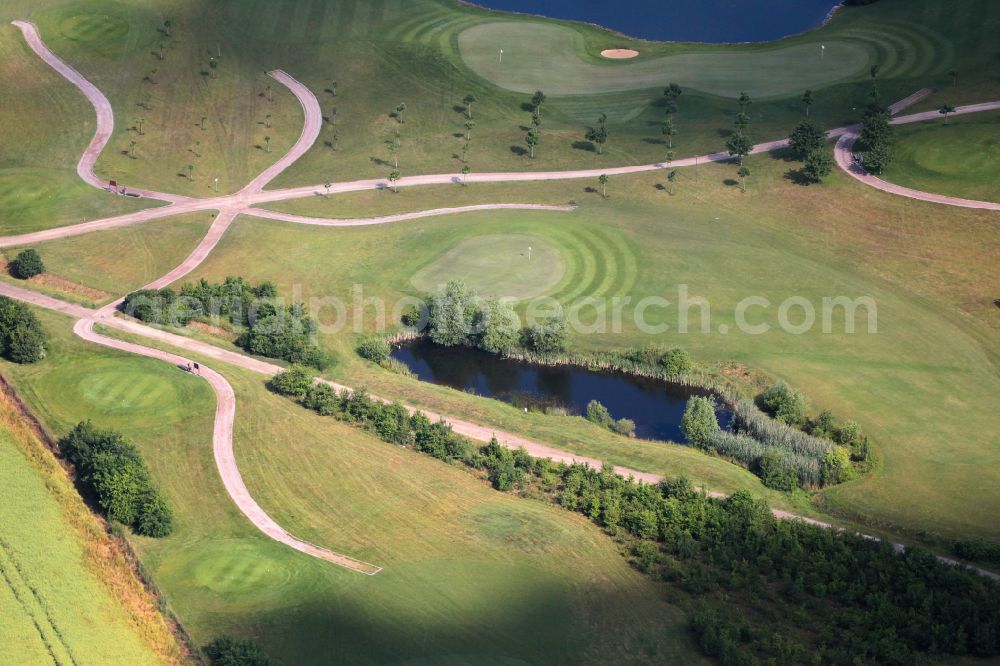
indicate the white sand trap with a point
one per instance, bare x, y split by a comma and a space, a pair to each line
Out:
619, 54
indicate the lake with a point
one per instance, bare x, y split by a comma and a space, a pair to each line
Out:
685, 20
655, 406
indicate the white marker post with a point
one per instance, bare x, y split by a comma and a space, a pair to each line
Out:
501, 56
529, 253
822, 51
216, 184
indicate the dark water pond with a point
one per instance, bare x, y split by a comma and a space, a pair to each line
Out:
685, 20
655, 406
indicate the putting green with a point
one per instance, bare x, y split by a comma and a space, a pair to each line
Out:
102, 33
496, 265
539, 56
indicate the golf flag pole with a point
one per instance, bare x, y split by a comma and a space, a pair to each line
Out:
501, 56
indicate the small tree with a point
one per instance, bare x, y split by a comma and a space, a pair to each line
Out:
599, 414
603, 180
131, 149
333, 115
818, 166
327, 185
190, 170
532, 139
203, 119
394, 175
744, 102
671, 93
954, 77
469, 100
742, 122
536, 103
699, 423
946, 110
599, 134
469, 126
743, 173
267, 120
267, 142
807, 101
296, 381
213, 66
785, 403
138, 125
466, 170
333, 88
669, 130
805, 138
400, 111
501, 327
27, 264
739, 146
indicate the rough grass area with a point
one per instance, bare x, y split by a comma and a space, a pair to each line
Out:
470, 574
960, 159
66, 592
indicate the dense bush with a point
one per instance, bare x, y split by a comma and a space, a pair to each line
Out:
676, 362
599, 414
27, 264
806, 138
268, 328
225, 651
500, 328
784, 403
453, 315
22, 338
547, 336
296, 381
375, 349
114, 471
699, 423
978, 550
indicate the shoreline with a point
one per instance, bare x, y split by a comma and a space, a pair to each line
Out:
837, 7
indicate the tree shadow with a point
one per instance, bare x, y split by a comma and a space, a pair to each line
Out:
660, 187
724, 132
730, 182
527, 106
784, 155
520, 151
997, 302
458, 108
585, 145
379, 161
655, 142
798, 177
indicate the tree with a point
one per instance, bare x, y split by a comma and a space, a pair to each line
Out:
267, 120
806, 138
532, 139
166, 27
26, 343
547, 336
785, 404
699, 423
267, 142
131, 149
536, 103
744, 102
190, 170
742, 122
676, 362
27, 264
394, 175
669, 130
807, 100
603, 180
469, 100
954, 77
818, 165
225, 651
213, 66
599, 414
599, 134
671, 179
501, 327
739, 146
154, 517
743, 173
876, 139
400, 110
453, 314
469, 126
946, 110
671, 93
139, 123
466, 170
333, 88
203, 118
333, 115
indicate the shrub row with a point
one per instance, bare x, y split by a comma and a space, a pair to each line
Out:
267, 327
846, 599
112, 469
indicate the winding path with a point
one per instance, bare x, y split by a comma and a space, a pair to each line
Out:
230, 206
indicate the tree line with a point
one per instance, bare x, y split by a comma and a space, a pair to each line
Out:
114, 472
757, 589
266, 326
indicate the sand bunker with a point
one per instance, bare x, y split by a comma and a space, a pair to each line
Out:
619, 54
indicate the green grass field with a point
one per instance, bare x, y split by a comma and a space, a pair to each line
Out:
53, 556
116, 261
959, 159
471, 575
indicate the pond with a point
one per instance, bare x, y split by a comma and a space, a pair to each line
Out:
719, 21
655, 406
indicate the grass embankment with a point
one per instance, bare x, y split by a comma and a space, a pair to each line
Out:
470, 574
67, 591
935, 347
960, 159
94, 268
